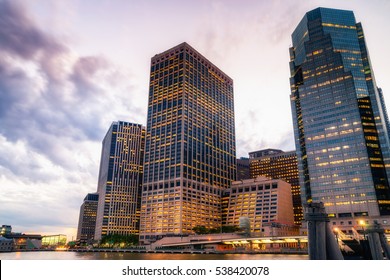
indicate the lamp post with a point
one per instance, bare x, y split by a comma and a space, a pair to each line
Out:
336, 233
361, 223
367, 255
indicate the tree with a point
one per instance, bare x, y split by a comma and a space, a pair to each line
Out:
116, 240
223, 229
200, 230
230, 229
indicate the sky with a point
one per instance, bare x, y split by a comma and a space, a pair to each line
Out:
68, 69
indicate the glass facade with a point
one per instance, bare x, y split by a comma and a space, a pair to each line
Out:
54, 240
276, 164
120, 180
5, 230
87, 218
243, 168
190, 144
339, 123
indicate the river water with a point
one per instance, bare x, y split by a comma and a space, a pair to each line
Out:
63, 255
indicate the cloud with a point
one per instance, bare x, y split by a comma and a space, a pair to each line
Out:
19, 35
48, 90
55, 108
260, 129
84, 70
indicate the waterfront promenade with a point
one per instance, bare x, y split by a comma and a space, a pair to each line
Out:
178, 251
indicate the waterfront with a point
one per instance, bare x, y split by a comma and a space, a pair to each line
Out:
64, 255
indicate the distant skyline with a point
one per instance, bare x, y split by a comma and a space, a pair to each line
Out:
68, 69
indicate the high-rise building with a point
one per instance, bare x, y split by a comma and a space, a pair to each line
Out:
242, 168
87, 218
339, 123
190, 153
277, 164
385, 115
120, 180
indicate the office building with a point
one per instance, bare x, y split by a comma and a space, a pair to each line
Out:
87, 218
385, 115
243, 169
190, 154
340, 127
262, 201
120, 179
277, 164
6, 230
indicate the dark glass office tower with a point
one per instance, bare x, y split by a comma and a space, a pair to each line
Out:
120, 180
339, 122
190, 154
243, 169
87, 218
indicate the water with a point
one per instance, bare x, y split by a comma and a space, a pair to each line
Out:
63, 255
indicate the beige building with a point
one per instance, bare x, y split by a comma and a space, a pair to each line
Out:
263, 201
190, 155
277, 164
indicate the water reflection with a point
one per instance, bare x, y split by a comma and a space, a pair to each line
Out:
142, 256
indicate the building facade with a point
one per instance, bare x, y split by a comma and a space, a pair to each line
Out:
262, 201
6, 244
190, 153
277, 164
339, 123
87, 219
26, 241
243, 169
120, 180
54, 240
5, 230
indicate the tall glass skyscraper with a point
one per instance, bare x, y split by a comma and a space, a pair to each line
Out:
120, 180
339, 120
190, 153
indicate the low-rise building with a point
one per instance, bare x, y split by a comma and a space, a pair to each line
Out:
277, 164
54, 240
6, 244
262, 201
26, 241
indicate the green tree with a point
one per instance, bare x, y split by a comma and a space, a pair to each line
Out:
223, 229
200, 230
116, 240
230, 229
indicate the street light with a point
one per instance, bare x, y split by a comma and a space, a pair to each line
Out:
336, 233
361, 222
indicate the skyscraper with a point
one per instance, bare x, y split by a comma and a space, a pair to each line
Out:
87, 218
190, 153
339, 123
277, 164
120, 179
243, 168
